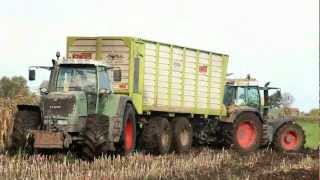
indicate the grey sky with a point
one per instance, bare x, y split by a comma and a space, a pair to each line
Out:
274, 40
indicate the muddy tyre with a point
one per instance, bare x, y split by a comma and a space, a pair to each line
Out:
289, 137
247, 133
128, 137
95, 137
157, 136
225, 135
23, 122
181, 135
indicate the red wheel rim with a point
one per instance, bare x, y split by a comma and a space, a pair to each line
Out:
128, 135
246, 135
289, 140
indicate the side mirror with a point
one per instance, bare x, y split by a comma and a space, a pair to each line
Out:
267, 84
32, 75
117, 75
43, 91
104, 92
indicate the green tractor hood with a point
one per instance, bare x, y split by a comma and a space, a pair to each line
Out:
64, 110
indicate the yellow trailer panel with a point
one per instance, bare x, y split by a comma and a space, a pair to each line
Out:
159, 76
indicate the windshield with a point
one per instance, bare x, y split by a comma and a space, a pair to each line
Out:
77, 79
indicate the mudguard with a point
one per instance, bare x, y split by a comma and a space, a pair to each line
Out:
114, 106
235, 111
24, 107
276, 125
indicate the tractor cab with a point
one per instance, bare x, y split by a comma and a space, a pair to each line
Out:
75, 89
247, 93
243, 92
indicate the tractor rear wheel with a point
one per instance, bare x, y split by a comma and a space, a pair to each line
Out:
247, 133
289, 137
23, 122
182, 134
157, 136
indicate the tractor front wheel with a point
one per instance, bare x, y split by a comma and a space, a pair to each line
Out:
95, 137
289, 137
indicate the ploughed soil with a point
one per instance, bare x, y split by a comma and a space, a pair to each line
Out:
264, 165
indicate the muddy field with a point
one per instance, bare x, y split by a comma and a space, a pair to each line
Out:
202, 163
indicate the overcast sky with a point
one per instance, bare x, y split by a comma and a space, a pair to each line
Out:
273, 40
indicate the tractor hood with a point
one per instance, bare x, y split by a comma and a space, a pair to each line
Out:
64, 109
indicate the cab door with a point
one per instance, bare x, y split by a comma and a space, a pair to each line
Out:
253, 97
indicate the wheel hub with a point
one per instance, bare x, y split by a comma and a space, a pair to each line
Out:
246, 135
164, 139
128, 135
289, 140
184, 137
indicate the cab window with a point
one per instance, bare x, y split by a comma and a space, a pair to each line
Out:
76, 79
104, 81
253, 97
241, 96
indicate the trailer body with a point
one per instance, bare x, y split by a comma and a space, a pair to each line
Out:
159, 77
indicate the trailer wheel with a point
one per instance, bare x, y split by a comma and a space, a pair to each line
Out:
23, 122
128, 138
289, 137
157, 136
247, 133
182, 134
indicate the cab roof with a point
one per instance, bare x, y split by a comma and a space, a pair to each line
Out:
242, 82
83, 62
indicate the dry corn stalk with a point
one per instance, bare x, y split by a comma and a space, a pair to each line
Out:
7, 111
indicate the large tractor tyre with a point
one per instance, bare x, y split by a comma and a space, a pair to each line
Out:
129, 133
157, 136
95, 137
289, 137
225, 135
182, 135
24, 121
247, 133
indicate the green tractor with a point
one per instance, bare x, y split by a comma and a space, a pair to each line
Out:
246, 132
78, 111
